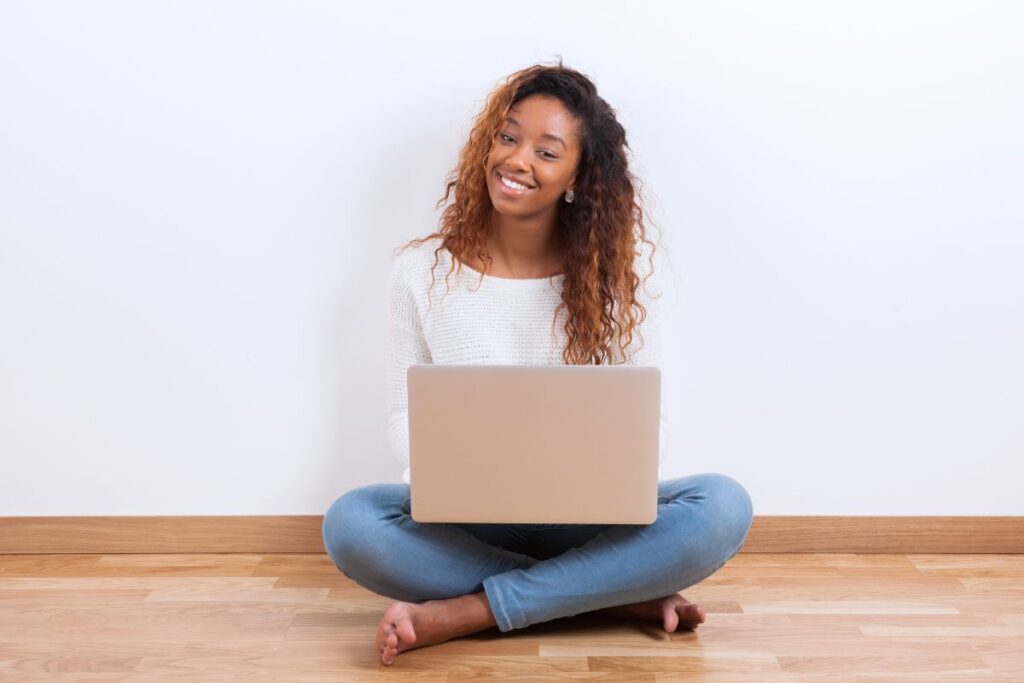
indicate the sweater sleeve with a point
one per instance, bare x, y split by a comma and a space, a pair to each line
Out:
650, 353
406, 345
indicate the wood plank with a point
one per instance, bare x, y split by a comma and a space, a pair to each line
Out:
771, 618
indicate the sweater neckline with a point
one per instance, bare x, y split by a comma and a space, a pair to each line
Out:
509, 282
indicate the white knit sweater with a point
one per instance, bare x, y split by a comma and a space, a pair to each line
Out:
505, 321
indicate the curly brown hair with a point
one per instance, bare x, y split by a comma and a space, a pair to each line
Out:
602, 228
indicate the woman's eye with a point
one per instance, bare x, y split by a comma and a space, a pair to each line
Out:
505, 137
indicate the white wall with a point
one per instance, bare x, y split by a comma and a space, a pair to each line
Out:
198, 203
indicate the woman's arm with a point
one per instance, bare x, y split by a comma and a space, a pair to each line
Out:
406, 346
651, 352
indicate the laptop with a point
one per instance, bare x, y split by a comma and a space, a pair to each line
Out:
551, 444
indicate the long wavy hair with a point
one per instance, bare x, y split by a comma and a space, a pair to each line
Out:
603, 227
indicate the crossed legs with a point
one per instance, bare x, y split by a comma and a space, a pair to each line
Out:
456, 579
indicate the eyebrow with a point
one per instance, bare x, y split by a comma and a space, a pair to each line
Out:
552, 136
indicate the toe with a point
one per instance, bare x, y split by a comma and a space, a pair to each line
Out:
692, 616
670, 617
697, 614
382, 635
405, 630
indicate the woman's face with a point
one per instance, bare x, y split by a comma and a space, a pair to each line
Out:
537, 149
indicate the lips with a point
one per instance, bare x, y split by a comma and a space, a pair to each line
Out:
505, 189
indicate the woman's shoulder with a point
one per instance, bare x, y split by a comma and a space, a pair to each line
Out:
412, 262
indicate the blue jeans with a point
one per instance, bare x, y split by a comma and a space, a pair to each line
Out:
533, 573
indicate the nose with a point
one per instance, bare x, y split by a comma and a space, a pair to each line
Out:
518, 160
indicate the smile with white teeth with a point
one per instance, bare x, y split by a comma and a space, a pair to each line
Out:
519, 187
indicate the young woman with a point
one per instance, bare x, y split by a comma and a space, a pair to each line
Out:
547, 219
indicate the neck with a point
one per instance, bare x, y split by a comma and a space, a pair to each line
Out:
525, 247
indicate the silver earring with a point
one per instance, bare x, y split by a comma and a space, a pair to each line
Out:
569, 196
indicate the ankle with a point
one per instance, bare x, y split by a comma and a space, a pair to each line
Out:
467, 613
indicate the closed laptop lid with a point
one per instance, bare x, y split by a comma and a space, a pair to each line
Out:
558, 444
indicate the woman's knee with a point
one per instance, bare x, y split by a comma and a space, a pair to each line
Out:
351, 524
731, 506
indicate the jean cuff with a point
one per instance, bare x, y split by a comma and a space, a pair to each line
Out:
498, 605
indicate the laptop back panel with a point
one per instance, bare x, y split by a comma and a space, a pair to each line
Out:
560, 444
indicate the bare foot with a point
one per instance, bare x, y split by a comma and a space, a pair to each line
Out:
407, 625
673, 611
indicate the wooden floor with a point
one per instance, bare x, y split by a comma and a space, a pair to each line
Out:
770, 618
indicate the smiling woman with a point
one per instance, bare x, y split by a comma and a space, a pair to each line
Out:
532, 162
545, 212
542, 187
